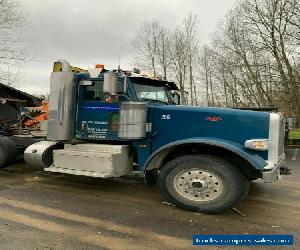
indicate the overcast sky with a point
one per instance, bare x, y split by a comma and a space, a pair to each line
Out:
93, 31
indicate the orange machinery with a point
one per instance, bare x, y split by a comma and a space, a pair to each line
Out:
41, 115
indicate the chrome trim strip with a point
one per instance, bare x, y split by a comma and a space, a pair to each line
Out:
274, 128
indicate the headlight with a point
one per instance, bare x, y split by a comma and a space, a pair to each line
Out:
257, 144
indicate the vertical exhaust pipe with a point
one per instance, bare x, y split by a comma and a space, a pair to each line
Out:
65, 65
61, 104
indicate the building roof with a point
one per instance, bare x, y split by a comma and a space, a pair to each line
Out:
14, 95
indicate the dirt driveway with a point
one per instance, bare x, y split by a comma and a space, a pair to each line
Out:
50, 211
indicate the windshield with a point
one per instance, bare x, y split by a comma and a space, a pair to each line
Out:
150, 92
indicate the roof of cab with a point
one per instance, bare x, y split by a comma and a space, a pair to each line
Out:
169, 85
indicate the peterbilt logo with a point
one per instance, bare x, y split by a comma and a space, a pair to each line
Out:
214, 118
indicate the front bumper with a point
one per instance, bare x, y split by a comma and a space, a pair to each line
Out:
272, 171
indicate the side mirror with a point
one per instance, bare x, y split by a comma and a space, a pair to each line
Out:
176, 96
110, 83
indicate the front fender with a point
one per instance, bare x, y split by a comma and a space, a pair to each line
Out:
254, 159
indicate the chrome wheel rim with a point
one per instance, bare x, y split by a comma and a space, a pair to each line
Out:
198, 184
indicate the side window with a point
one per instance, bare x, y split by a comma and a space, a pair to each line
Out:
120, 86
93, 92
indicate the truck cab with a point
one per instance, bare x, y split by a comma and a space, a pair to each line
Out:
109, 123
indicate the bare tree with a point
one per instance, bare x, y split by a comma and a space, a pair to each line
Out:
163, 51
184, 55
12, 54
152, 46
178, 57
273, 23
190, 27
174, 55
146, 46
253, 58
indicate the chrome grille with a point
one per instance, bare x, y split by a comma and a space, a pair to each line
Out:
276, 138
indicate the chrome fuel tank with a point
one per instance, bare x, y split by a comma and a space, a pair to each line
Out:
40, 153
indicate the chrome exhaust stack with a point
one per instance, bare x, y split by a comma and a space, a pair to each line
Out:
60, 118
65, 65
61, 104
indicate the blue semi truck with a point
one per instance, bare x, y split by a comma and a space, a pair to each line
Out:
110, 123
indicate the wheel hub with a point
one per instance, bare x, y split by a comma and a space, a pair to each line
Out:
198, 185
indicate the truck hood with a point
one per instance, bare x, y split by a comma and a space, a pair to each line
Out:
183, 122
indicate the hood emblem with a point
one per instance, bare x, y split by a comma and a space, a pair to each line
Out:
214, 118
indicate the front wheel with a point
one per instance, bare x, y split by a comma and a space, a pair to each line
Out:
202, 183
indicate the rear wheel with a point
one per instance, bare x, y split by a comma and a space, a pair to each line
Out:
8, 151
3, 154
202, 183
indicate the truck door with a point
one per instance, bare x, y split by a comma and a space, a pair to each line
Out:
95, 118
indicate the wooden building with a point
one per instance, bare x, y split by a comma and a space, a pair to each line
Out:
11, 101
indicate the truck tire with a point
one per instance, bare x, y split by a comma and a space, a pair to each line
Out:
247, 188
8, 151
202, 183
3, 154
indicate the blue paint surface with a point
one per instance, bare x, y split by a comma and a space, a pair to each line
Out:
92, 120
189, 122
174, 125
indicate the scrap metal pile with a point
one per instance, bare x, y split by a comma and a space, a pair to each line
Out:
9, 127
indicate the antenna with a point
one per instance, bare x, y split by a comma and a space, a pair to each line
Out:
120, 50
